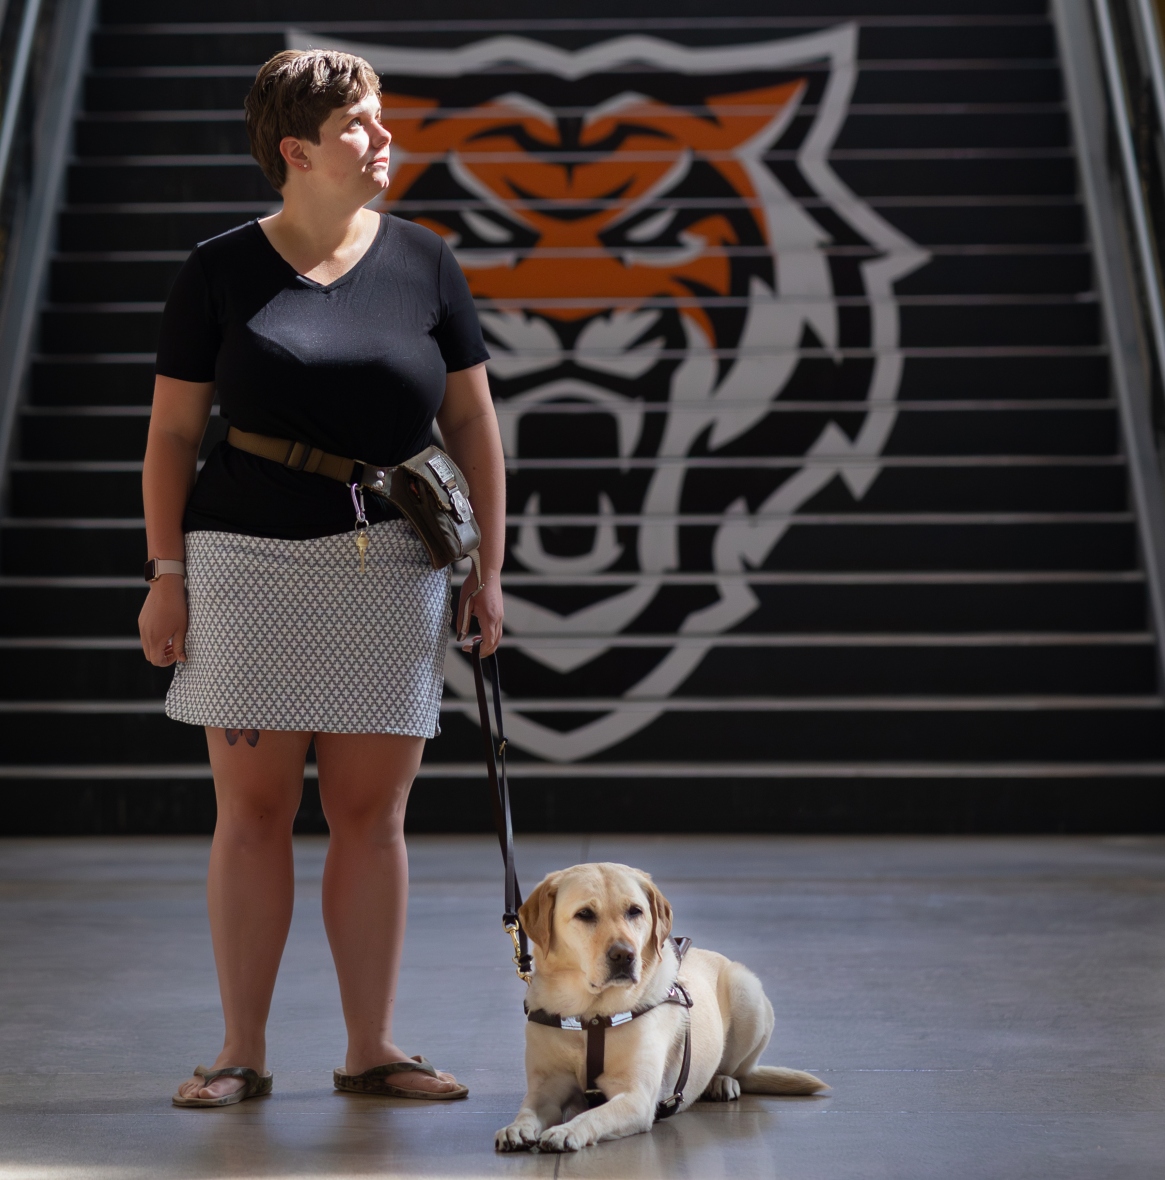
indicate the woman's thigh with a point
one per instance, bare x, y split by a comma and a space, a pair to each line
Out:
257, 773
366, 776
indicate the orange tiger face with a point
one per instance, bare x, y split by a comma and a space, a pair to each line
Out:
657, 243
575, 214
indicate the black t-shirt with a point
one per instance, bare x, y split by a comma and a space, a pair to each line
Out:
356, 367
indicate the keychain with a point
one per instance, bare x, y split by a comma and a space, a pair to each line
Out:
362, 541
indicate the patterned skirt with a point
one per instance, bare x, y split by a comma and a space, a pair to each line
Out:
291, 635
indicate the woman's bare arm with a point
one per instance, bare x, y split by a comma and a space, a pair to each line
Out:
177, 423
469, 428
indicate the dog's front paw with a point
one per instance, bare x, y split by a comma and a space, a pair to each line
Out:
517, 1136
722, 1088
562, 1138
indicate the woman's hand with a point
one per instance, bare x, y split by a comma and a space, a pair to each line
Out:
162, 622
486, 607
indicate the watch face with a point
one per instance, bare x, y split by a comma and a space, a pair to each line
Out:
150, 571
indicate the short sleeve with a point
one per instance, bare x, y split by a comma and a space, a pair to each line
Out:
189, 342
458, 332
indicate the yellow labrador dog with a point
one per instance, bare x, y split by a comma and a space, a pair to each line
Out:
603, 956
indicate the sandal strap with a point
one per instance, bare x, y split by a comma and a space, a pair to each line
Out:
248, 1075
413, 1065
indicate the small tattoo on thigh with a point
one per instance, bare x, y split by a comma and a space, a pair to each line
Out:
251, 736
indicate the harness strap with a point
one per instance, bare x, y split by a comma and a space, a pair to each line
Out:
499, 798
596, 1030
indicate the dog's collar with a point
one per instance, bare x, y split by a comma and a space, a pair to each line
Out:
596, 1027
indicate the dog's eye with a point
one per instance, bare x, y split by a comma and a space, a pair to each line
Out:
585, 915
635, 912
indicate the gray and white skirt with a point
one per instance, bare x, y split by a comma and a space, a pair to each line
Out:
291, 635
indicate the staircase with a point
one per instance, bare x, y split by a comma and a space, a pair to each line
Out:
948, 631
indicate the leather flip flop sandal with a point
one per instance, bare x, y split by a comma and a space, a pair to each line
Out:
375, 1081
255, 1085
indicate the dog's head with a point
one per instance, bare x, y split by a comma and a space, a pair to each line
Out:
603, 923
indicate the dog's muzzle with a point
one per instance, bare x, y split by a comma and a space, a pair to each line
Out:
621, 963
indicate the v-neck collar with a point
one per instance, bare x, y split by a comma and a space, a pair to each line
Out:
350, 273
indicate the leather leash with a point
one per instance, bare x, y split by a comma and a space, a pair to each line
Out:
499, 797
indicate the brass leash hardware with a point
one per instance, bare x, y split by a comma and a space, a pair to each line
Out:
511, 928
361, 539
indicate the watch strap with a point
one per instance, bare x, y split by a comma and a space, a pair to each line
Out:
157, 566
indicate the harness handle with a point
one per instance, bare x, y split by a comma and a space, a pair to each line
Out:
499, 798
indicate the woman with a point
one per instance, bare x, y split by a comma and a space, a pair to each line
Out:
337, 327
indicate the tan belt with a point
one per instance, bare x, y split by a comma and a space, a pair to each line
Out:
300, 457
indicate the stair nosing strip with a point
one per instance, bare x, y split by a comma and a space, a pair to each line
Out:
890, 201
1099, 351
969, 352
1044, 299
911, 405
570, 24
960, 405
94, 358
860, 109
575, 155
840, 639
172, 207
623, 705
760, 578
665, 770
985, 249
897, 462
689, 520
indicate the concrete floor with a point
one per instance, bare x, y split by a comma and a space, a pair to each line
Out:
982, 1008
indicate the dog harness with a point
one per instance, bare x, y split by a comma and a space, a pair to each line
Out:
596, 1029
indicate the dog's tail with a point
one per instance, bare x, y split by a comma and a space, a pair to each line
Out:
775, 1079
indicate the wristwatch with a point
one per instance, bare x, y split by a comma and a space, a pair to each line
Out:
157, 566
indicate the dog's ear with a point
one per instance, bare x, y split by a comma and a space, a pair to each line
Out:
660, 914
537, 912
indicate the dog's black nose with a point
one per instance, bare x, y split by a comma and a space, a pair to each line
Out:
620, 956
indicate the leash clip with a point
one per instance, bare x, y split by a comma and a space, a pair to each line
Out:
511, 928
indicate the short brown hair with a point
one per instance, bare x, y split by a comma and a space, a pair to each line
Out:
294, 93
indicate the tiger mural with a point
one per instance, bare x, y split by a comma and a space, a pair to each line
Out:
657, 244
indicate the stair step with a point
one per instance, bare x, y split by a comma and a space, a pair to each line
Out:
918, 130
158, 229
1077, 600
902, 128
41, 492
998, 274
113, 48
119, 379
127, 91
992, 434
952, 221
735, 665
1043, 375
986, 172
72, 381
231, 178
955, 219
196, 137
130, 277
967, 172
960, 81
1037, 729
109, 279
1107, 542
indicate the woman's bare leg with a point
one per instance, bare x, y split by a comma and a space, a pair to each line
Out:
364, 787
258, 780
